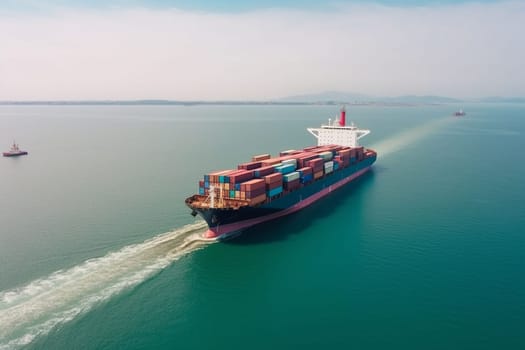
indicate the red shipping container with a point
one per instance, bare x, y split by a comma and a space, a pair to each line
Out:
315, 164
241, 176
255, 193
252, 185
273, 185
302, 160
270, 161
267, 170
305, 170
249, 166
359, 153
276, 177
260, 157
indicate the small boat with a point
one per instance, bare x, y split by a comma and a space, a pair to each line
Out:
460, 113
14, 151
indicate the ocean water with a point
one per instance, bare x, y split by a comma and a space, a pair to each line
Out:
98, 251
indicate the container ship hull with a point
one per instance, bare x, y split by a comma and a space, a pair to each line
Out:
226, 222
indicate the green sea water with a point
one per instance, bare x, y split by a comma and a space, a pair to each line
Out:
98, 251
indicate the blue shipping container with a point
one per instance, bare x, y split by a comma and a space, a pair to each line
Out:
201, 191
275, 191
307, 178
285, 169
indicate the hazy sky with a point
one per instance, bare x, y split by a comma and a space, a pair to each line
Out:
190, 50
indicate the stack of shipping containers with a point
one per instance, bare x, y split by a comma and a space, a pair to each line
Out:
265, 178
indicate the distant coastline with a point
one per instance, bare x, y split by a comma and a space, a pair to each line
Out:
324, 98
199, 103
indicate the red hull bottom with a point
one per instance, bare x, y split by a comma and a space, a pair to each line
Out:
231, 229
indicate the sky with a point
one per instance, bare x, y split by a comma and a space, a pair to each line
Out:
259, 50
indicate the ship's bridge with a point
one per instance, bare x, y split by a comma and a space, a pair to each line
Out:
337, 133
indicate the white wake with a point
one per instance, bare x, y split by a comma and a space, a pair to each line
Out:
38, 307
410, 136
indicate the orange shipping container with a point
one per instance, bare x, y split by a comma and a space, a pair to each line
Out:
260, 157
271, 161
275, 177
252, 185
305, 171
258, 199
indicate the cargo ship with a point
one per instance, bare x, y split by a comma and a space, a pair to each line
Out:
267, 187
15, 151
460, 113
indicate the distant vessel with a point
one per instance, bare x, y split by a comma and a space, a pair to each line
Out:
460, 113
14, 151
267, 188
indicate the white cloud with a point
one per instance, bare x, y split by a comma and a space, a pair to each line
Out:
464, 50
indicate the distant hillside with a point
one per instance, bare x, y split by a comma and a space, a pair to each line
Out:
497, 99
420, 99
338, 96
147, 102
328, 96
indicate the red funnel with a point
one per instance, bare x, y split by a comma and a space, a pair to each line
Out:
342, 120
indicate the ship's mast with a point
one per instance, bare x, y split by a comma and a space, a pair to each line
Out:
221, 197
212, 196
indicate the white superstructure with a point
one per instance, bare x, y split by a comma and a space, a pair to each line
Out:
14, 148
337, 133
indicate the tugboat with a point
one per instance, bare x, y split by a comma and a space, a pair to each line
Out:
460, 113
14, 151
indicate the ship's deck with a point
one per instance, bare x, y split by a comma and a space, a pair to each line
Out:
203, 202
